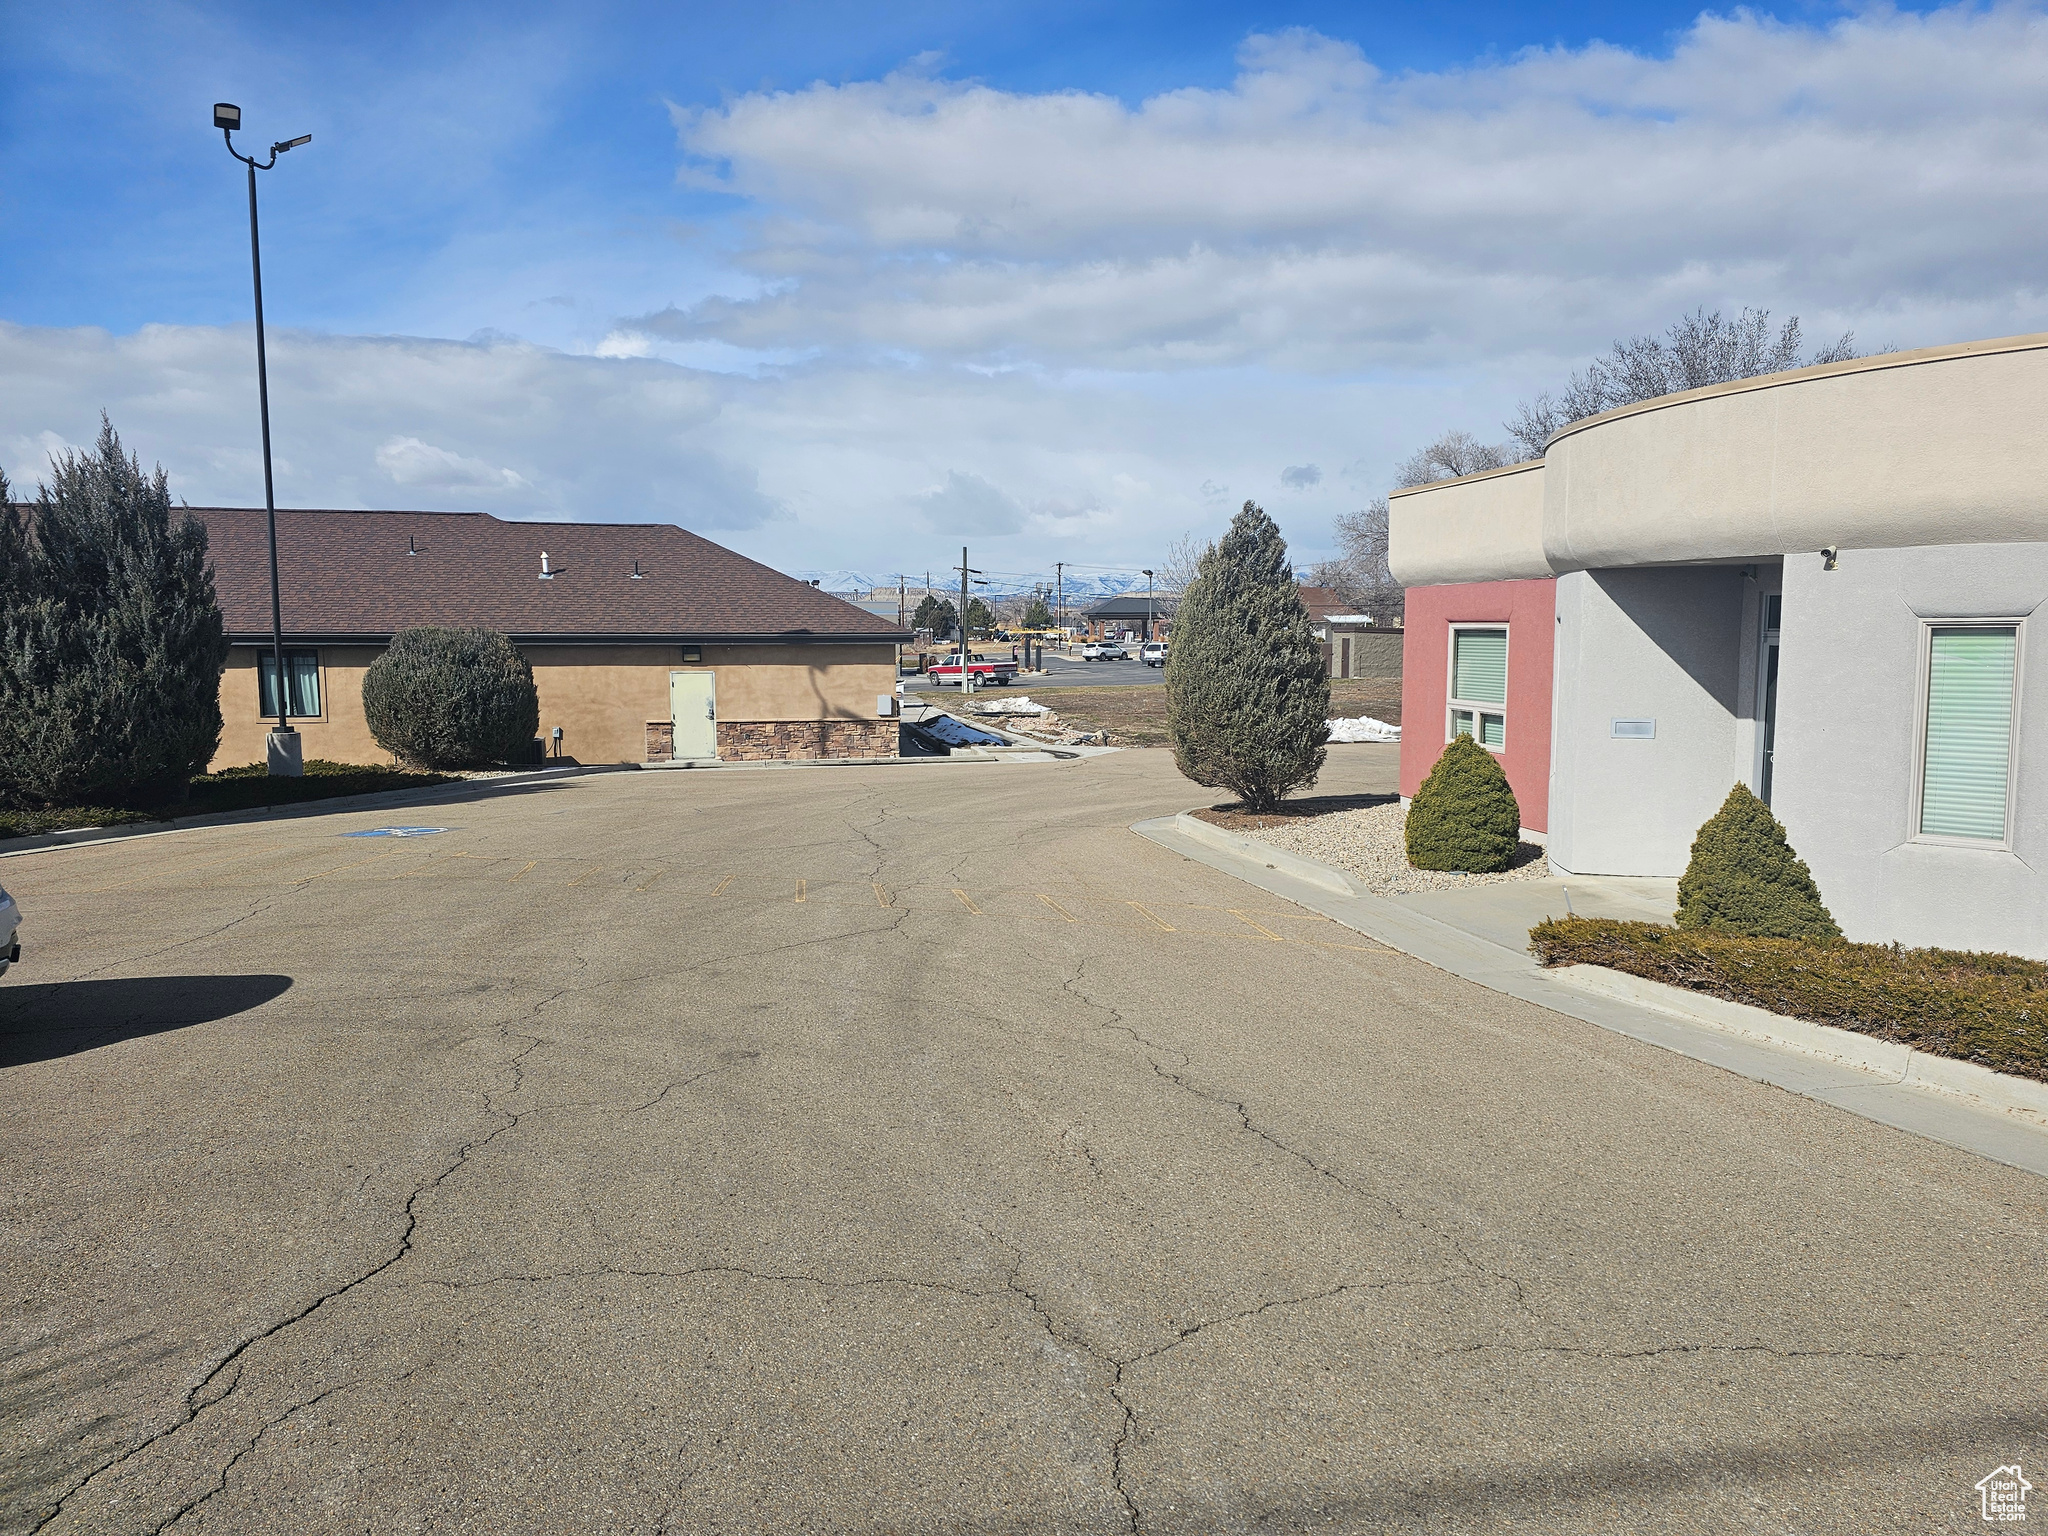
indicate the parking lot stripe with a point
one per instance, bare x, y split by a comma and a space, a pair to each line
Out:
799, 890
523, 869
595, 869
1164, 926
651, 879
1269, 933
719, 889
970, 906
1063, 912
881, 896
338, 868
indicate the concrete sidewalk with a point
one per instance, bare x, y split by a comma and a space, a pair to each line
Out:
1481, 935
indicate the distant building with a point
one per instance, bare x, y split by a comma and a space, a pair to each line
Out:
1145, 618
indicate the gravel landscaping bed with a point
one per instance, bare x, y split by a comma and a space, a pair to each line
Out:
1366, 842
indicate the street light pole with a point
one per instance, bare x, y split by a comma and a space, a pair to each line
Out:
1148, 607
284, 756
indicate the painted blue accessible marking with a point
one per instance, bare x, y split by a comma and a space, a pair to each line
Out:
397, 832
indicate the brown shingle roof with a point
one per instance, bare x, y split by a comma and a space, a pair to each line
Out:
348, 575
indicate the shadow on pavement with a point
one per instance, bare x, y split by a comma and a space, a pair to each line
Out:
45, 1020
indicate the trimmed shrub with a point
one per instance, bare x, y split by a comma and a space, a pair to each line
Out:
451, 698
1988, 1008
1744, 878
111, 642
1247, 690
1464, 817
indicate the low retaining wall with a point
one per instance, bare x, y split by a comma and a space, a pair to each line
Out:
757, 741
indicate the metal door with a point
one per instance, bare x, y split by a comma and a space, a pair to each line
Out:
693, 706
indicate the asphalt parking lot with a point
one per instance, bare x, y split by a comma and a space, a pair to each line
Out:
916, 1149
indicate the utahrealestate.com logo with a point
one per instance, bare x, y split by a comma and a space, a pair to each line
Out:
2004, 1495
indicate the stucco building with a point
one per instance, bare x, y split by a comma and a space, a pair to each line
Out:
1821, 584
647, 642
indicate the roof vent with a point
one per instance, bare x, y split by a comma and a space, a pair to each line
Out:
636, 571
410, 547
545, 573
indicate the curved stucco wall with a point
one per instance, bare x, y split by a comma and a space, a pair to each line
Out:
1948, 445
1485, 527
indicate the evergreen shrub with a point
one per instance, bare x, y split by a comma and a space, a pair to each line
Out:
1464, 817
111, 641
1247, 690
1743, 877
452, 698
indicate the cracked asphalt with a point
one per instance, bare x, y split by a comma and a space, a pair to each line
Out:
916, 1149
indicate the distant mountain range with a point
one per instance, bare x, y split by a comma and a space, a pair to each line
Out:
1078, 588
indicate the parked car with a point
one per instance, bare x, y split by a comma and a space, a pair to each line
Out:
10, 921
1104, 650
1153, 653
984, 671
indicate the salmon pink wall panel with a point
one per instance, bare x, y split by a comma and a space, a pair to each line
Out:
1529, 610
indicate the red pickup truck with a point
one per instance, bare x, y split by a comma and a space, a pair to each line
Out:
979, 667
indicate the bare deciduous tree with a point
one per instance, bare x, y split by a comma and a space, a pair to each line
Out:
1455, 453
1359, 574
1182, 561
1699, 350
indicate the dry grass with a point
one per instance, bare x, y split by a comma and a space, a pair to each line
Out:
1135, 714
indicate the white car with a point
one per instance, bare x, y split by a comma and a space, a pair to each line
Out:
1153, 653
10, 919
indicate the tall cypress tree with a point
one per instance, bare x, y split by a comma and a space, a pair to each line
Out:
1247, 691
111, 641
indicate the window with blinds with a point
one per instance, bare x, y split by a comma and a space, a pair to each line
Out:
302, 673
1963, 776
1479, 686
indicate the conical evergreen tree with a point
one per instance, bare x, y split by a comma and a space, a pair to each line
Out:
1464, 816
1744, 878
111, 642
1247, 691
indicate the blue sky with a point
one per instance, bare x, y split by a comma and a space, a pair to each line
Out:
846, 286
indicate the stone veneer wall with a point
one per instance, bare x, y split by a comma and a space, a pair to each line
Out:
747, 741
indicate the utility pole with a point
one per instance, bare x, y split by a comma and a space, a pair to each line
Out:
1059, 611
966, 570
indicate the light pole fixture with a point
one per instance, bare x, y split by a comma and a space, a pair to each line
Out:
284, 753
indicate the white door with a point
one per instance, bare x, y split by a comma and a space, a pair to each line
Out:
693, 705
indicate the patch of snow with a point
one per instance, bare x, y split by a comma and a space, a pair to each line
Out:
1364, 728
1022, 706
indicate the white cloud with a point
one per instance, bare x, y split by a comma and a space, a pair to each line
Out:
623, 343
1880, 173
409, 461
968, 504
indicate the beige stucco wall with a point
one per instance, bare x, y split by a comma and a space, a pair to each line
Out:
1947, 445
601, 696
1484, 527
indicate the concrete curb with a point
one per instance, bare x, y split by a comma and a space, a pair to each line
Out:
1190, 825
1903, 1095
1886, 1058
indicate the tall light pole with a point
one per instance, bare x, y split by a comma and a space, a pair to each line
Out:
1148, 607
284, 755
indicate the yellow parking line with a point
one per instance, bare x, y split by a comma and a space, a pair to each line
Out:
595, 869
1063, 912
1164, 927
720, 890
881, 896
651, 879
1269, 933
799, 890
970, 906
337, 869
523, 869
246, 853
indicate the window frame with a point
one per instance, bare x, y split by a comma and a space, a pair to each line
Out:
1453, 704
264, 657
1916, 808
